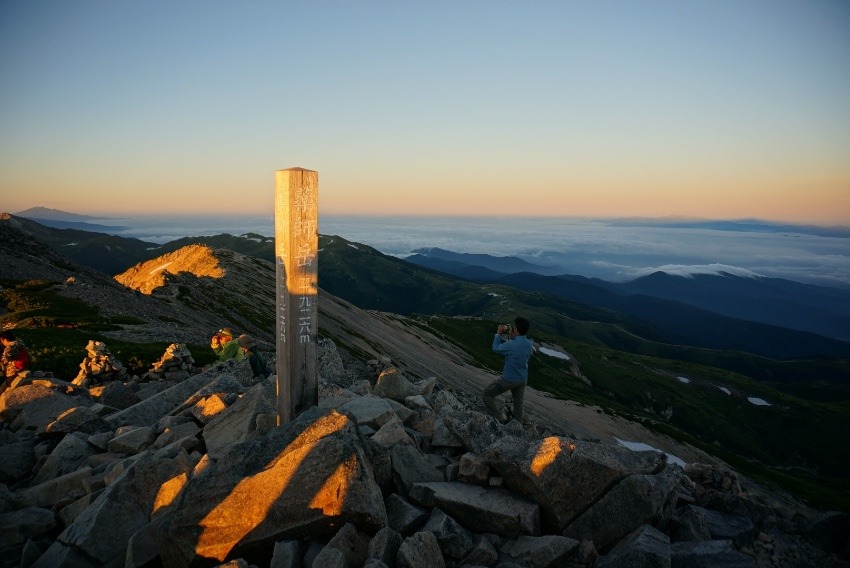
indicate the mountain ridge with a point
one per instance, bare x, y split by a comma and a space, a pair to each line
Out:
774, 301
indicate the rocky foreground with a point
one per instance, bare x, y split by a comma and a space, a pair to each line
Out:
191, 470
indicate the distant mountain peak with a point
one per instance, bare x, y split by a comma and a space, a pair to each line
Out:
40, 212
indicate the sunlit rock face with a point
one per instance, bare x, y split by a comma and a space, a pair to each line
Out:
199, 260
306, 478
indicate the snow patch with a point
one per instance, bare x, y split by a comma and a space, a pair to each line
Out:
758, 401
691, 270
641, 447
685, 380
353, 246
724, 389
553, 353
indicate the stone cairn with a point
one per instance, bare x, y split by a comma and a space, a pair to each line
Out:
176, 364
99, 366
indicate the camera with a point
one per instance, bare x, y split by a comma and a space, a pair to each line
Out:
509, 327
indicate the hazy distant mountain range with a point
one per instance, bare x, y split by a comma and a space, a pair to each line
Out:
748, 225
63, 220
766, 316
773, 301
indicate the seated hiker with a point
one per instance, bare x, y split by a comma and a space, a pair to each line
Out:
15, 358
225, 345
255, 358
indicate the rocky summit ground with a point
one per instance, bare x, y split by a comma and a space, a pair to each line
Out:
387, 470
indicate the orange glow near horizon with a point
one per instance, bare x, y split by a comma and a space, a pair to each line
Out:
793, 199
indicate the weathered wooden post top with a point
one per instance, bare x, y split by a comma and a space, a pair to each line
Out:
297, 286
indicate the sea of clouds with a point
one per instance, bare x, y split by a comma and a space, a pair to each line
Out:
604, 249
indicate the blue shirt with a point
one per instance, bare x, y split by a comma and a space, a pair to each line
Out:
517, 352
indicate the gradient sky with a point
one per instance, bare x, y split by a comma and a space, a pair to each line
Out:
706, 108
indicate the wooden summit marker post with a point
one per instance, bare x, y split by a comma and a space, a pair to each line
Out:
297, 285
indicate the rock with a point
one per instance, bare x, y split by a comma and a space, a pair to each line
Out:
95, 533
708, 554
474, 431
238, 421
445, 402
69, 486
565, 476
384, 546
410, 466
703, 524
68, 455
208, 408
132, 441
17, 460
34, 405
391, 384
171, 435
403, 516
309, 475
487, 510
420, 550
19, 526
443, 437
538, 551
454, 540
351, 543
646, 546
392, 433
635, 501
143, 548
78, 419
118, 395
287, 554
473, 469
426, 387
372, 411
482, 554
184, 394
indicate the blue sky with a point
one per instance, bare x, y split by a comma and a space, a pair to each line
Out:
710, 108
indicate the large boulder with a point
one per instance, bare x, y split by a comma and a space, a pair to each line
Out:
635, 501
239, 420
646, 546
483, 510
184, 394
566, 476
306, 477
34, 405
102, 531
69, 454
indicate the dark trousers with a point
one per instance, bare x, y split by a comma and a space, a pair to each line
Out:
498, 387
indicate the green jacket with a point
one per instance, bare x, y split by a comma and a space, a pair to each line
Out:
230, 350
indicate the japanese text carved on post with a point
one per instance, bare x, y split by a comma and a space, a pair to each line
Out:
297, 287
